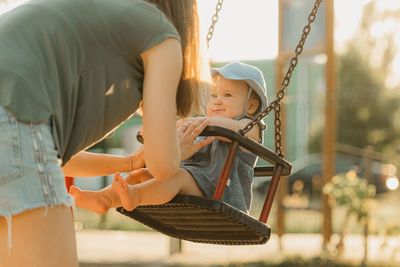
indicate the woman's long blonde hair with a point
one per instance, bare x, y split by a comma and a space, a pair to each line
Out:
195, 76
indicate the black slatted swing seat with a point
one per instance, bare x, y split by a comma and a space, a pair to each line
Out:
202, 220
212, 221
198, 219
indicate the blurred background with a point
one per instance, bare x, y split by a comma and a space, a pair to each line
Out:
341, 126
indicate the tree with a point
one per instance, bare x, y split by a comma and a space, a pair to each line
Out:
367, 109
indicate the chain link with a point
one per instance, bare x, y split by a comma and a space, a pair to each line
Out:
214, 21
276, 104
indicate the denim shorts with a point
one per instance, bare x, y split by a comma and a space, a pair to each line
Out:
30, 173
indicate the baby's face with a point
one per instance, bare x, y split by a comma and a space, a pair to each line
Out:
227, 98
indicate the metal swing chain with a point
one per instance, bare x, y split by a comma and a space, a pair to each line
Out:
214, 21
276, 105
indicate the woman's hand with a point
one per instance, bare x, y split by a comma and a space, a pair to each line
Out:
138, 176
187, 131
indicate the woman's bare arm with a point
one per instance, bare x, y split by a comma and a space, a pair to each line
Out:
87, 164
162, 69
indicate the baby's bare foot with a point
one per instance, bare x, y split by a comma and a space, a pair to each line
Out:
122, 189
95, 201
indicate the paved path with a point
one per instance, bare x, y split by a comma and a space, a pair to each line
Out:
119, 248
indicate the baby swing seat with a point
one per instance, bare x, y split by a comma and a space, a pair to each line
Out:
202, 220
213, 221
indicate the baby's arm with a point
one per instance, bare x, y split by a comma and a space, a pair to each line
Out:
231, 124
235, 125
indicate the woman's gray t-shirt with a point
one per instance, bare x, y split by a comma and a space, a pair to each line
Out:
77, 62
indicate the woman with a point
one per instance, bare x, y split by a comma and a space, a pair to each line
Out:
71, 71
